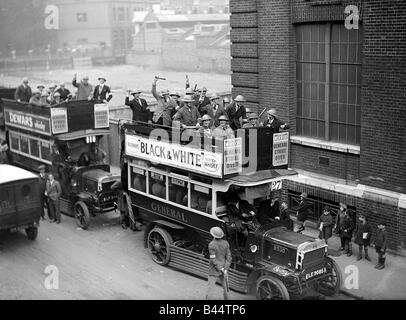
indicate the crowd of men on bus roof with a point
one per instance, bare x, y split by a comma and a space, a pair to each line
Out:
197, 110
57, 94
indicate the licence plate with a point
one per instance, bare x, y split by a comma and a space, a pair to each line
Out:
315, 273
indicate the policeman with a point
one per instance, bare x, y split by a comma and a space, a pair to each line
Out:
220, 261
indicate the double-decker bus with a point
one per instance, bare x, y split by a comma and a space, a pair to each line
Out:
182, 183
60, 136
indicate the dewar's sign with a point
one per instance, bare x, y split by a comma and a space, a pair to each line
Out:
27, 121
166, 153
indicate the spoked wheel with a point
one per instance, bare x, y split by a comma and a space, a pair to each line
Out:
32, 233
158, 245
82, 215
330, 284
271, 288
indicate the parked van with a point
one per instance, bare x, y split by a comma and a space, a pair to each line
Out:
20, 206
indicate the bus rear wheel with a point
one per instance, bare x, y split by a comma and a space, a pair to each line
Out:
158, 244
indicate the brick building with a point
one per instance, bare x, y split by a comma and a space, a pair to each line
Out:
343, 92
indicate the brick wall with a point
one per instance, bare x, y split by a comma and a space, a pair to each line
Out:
341, 165
383, 131
244, 50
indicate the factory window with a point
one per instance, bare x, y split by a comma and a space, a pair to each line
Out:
328, 79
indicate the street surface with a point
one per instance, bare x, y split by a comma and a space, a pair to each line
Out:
104, 262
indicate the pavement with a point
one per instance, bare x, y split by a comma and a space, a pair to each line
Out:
361, 279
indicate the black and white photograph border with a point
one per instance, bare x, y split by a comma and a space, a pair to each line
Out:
200, 150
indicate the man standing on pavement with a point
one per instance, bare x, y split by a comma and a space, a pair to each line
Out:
220, 261
380, 245
42, 188
363, 236
85, 89
53, 192
302, 211
345, 227
23, 92
326, 224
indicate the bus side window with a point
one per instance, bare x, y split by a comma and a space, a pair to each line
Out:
200, 197
178, 191
157, 185
138, 179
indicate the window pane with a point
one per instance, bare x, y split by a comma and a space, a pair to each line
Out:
342, 133
322, 73
178, 191
314, 33
352, 53
342, 113
322, 53
322, 92
343, 33
299, 75
353, 35
138, 179
343, 94
306, 93
313, 128
201, 198
299, 90
351, 134
306, 52
314, 52
343, 53
15, 142
343, 74
314, 94
299, 108
34, 146
24, 145
306, 127
334, 73
45, 151
335, 53
157, 185
299, 52
313, 110
320, 110
334, 131
306, 71
352, 91
306, 109
358, 115
334, 93
299, 126
315, 72
352, 74
334, 112
299, 34
306, 33
322, 131
335, 33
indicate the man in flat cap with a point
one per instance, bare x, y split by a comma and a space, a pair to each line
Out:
102, 91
